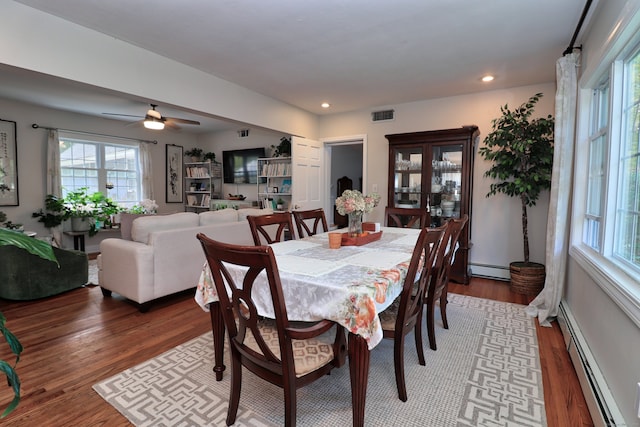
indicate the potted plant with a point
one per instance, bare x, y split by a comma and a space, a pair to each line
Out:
195, 154
43, 250
210, 157
521, 150
283, 149
79, 206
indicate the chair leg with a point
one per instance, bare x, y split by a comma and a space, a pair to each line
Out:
234, 390
398, 357
418, 335
289, 405
430, 325
443, 309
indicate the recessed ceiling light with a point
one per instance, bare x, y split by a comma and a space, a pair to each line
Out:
487, 78
325, 105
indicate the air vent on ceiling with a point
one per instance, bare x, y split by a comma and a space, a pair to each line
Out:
243, 133
382, 116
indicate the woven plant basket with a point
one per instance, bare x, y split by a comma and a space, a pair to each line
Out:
527, 278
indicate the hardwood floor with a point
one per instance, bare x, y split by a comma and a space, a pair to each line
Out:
76, 339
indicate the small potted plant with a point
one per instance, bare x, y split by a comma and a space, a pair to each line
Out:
280, 204
210, 157
195, 154
283, 149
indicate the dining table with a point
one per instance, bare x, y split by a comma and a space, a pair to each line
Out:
349, 285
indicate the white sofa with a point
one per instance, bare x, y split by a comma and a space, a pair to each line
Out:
163, 256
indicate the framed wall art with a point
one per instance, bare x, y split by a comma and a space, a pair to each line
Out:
174, 174
8, 164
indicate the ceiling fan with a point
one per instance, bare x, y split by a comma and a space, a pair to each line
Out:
156, 121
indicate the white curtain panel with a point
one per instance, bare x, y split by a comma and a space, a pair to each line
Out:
545, 305
54, 184
146, 171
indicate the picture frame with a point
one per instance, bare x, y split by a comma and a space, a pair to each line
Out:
174, 167
8, 164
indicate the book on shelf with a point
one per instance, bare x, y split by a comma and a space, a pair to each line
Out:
192, 200
286, 186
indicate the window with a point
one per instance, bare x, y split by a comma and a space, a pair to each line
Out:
627, 221
611, 223
100, 166
597, 168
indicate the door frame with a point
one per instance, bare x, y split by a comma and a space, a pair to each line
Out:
328, 144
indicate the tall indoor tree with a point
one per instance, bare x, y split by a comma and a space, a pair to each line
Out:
521, 150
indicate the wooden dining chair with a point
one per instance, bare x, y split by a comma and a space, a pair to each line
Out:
438, 286
405, 217
405, 314
266, 346
273, 228
318, 217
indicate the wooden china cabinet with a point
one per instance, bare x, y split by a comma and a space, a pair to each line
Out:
433, 170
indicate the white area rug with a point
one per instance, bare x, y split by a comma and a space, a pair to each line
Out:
93, 272
486, 372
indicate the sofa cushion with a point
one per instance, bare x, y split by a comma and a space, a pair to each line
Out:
243, 213
126, 222
142, 227
218, 217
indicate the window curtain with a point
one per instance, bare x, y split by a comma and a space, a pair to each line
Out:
545, 305
54, 184
146, 171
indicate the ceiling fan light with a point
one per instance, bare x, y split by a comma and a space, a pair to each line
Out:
153, 124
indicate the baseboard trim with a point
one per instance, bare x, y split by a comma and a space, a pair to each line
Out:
489, 271
602, 406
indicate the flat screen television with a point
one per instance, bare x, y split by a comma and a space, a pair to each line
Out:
241, 166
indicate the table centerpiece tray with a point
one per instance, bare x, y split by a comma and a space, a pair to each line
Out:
363, 239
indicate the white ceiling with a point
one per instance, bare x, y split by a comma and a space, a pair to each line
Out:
354, 54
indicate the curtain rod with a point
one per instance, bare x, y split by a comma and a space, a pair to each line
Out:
36, 126
585, 11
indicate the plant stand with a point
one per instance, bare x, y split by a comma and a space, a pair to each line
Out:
527, 277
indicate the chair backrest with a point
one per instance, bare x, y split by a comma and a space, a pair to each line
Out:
318, 217
405, 217
418, 276
445, 256
238, 309
271, 227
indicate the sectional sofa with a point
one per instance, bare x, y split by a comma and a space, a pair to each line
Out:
163, 256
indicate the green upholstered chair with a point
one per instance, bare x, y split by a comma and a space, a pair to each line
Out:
24, 276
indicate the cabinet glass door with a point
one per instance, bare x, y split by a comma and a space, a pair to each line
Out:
408, 177
446, 182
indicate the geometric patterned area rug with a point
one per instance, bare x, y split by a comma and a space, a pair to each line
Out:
486, 372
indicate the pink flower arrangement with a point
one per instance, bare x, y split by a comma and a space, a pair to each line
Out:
354, 201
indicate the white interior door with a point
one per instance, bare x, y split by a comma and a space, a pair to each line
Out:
307, 173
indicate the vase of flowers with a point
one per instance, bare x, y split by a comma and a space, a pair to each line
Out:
354, 204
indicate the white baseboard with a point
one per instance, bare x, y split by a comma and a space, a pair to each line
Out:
602, 406
490, 271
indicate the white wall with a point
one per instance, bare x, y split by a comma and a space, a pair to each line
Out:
496, 222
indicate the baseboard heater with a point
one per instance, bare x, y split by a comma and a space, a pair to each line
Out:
602, 406
488, 271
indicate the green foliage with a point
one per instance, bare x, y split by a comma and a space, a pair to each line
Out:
194, 152
283, 149
210, 156
521, 150
43, 250
77, 203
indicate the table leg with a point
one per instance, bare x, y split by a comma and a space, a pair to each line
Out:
359, 372
217, 327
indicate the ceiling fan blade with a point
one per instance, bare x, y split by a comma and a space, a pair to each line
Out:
123, 115
169, 124
183, 121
